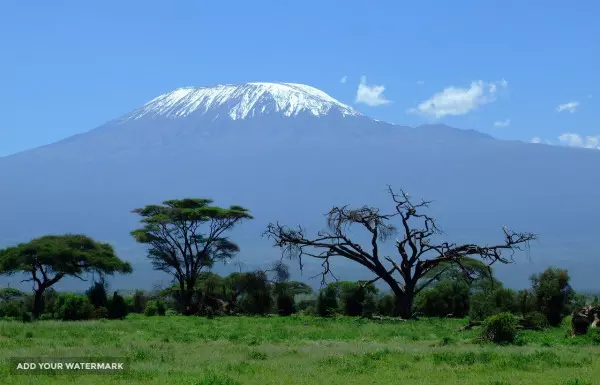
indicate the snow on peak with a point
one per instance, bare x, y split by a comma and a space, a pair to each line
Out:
243, 101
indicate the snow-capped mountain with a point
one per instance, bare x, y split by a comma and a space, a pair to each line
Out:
289, 153
242, 101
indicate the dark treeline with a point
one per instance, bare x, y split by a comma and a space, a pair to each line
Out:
549, 299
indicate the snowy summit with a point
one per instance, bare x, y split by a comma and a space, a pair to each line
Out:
242, 101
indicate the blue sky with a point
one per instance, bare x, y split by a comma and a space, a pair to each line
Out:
69, 66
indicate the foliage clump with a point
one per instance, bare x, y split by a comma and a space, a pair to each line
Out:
500, 328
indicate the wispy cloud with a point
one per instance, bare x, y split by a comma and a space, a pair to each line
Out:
502, 123
570, 107
459, 101
538, 140
371, 95
344, 79
575, 140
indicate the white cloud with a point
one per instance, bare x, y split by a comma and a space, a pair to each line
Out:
576, 140
570, 106
420, 82
538, 140
344, 79
459, 101
371, 95
502, 123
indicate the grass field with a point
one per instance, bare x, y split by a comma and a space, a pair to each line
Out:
299, 350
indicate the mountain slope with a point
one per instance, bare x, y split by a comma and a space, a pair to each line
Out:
292, 167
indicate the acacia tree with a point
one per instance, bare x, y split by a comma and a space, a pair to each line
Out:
186, 237
418, 254
50, 258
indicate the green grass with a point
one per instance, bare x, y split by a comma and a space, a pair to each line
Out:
300, 350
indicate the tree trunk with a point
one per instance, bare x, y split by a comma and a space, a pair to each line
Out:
404, 303
38, 303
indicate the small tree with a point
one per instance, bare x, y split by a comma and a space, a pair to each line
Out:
256, 298
553, 293
139, 302
418, 251
327, 301
447, 298
97, 293
50, 258
185, 238
284, 299
117, 307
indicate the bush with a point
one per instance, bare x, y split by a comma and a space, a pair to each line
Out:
161, 308
117, 307
50, 299
100, 312
486, 304
500, 328
386, 305
27, 317
327, 301
535, 321
553, 293
151, 309
285, 304
448, 297
139, 302
13, 308
73, 307
595, 335
306, 303
155, 308
97, 294
353, 297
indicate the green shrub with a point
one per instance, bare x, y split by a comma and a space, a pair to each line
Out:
327, 304
171, 312
553, 294
73, 307
285, 304
154, 308
161, 308
27, 317
139, 302
595, 335
535, 320
97, 294
306, 303
500, 328
447, 297
117, 307
151, 309
488, 303
99, 313
386, 305
310, 310
12, 308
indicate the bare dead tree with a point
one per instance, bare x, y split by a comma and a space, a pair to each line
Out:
417, 253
